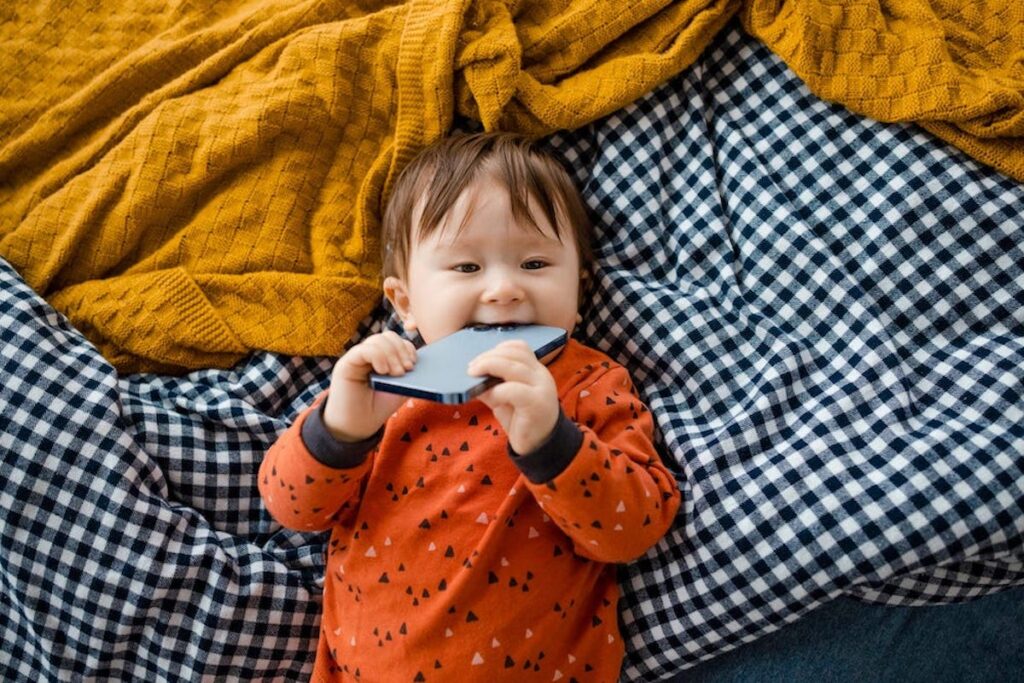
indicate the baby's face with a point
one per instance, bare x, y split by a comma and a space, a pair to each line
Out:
493, 271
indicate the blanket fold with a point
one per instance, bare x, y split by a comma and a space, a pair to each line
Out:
248, 146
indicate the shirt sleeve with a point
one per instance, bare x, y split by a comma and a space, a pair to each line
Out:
308, 480
614, 498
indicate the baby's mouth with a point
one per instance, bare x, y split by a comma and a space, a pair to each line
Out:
476, 325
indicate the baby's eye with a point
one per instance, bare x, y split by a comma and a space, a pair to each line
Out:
534, 265
466, 268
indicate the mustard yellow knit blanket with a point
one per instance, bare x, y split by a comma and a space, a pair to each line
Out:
189, 182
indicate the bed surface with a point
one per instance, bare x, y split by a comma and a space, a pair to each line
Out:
823, 312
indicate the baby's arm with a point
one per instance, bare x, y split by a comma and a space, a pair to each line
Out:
308, 492
599, 477
312, 474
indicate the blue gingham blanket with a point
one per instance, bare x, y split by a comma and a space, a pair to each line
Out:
824, 314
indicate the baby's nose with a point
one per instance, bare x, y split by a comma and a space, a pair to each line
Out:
503, 289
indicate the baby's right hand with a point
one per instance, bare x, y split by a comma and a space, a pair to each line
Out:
354, 411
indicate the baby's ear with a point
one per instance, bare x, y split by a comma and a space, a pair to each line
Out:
585, 281
397, 293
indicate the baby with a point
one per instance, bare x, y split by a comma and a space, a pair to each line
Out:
476, 542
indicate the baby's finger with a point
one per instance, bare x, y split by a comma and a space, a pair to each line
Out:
522, 356
506, 393
384, 357
515, 350
357, 357
410, 350
379, 359
405, 350
508, 369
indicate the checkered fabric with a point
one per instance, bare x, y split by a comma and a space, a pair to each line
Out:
824, 314
132, 542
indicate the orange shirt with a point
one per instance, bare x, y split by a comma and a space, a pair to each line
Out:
452, 558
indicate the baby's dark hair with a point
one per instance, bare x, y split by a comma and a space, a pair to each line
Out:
441, 172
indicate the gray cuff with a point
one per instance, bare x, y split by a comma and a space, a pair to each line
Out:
551, 458
329, 451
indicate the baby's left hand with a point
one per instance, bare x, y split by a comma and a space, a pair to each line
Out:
526, 403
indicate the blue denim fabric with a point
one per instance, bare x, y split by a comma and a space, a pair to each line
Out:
849, 641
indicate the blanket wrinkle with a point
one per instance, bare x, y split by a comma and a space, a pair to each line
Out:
956, 68
248, 146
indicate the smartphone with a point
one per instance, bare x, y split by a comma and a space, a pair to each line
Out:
440, 371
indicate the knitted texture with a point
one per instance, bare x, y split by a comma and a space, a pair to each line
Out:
190, 182
954, 67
